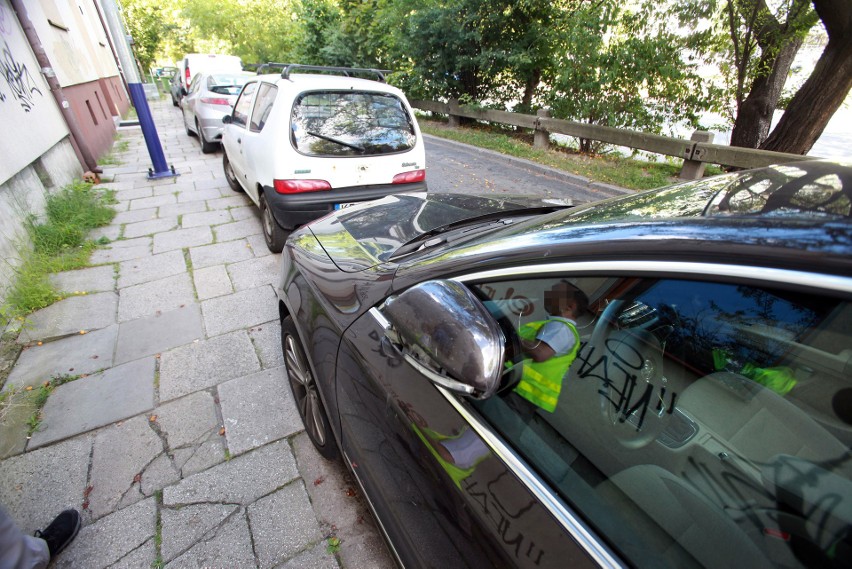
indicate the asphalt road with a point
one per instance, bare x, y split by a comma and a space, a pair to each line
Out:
455, 167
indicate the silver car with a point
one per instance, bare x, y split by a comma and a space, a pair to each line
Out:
211, 96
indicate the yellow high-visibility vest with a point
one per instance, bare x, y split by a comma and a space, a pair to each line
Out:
541, 382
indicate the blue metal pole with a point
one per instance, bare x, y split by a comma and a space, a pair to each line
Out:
149, 131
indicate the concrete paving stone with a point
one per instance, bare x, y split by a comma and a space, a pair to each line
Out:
217, 183
230, 546
220, 253
194, 195
133, 194
118, 252
316, 557
184, 527
206, 363
211, 282
121, 453
247, 212
154, 201
205, 218
177, 187
180, 433
258, 246
133, 243
14, 430
182, 238
182, 208
137, 271
95, 401
239, 310
36, 486
283, 524
149, 227
267, 343
241, 480
94, 279
123, 539
258, 409
115, 186
120, 206
70, 316
340, 510
191, 460
110, 232
195, 176
239, 200
256, 272
158, 333
155, 297
238, 229
159, 183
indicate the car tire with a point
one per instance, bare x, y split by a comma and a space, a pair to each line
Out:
229, 174
305, 392
174, 101
206, 147
274, 234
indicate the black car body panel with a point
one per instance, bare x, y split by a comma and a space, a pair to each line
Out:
387, 417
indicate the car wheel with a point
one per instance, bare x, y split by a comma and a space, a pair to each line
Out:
274, 234
304, 387
174, 101
206, 147
229, 174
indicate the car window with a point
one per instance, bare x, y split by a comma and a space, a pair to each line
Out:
697, 423
243, 104
226, 83
265, 99
196, 82
350, 123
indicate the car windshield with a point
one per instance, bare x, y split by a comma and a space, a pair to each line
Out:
351, 123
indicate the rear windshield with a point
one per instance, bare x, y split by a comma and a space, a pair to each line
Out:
227, 84
351, 123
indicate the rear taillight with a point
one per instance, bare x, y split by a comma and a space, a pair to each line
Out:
188, 77
409, 177
300, 186
215, 101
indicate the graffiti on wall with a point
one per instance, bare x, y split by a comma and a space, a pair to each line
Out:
18, 78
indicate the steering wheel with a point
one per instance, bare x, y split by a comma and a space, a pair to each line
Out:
635, 403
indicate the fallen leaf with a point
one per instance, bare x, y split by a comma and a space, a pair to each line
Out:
29, 388
319, 480
351, 492
39, 343
152, 418
222, 432
88, 491
137, 479
82, 332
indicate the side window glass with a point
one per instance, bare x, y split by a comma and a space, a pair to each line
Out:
263, 106
243, 105
694, 423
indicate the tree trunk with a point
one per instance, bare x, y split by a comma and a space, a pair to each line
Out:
822, 94
530, 86
754, 117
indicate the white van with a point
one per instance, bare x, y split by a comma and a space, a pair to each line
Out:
193, 63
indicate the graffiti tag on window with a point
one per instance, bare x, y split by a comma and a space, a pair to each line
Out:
624, 383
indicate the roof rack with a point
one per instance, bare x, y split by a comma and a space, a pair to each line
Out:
347, 71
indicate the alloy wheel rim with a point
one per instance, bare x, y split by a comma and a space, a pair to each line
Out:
305, 391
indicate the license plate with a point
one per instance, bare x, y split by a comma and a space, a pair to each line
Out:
344, 205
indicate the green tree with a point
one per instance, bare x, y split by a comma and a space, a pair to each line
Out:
147, 24
626, 69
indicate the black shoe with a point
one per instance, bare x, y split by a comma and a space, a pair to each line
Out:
61, 531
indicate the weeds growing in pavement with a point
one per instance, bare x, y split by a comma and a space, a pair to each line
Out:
38, 398
59, 243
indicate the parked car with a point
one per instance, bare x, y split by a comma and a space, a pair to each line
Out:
314, 139
211, 96
193, 63
707, 417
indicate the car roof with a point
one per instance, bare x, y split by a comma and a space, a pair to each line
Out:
311, 81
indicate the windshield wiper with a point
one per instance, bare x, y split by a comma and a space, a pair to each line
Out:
334, 140
465, 227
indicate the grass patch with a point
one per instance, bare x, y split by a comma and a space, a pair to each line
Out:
38, 398
59, 243
625, 172
110, 158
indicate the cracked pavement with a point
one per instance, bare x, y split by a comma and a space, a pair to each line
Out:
178, 441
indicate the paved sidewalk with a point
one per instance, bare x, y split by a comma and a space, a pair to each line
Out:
179, 442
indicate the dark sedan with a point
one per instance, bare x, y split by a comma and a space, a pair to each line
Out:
662, 379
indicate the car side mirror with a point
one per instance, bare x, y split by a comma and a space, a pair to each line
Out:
447, 334
226, 119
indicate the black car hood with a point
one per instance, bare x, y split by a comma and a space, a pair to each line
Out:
366, 235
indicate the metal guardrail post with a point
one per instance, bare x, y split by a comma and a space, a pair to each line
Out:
693, 167
541, 137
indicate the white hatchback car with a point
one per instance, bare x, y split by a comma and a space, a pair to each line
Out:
302, 144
